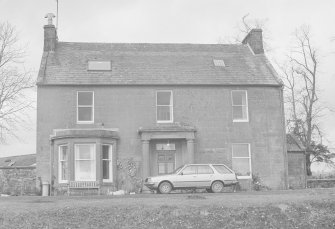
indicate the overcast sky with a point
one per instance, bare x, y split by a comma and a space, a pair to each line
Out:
172, 21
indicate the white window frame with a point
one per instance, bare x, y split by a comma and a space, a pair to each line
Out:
60, 180
246, 106
91, 106
171, 107
250, 168
110, 152
94, 159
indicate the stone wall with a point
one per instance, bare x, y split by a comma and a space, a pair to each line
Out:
320, 183
18, 181
296, 169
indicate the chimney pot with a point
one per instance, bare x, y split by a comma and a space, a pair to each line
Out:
255, 41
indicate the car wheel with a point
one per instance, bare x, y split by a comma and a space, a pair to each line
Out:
209, 190
165, 187
217, 186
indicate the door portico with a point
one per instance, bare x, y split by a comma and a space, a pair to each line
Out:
150, 137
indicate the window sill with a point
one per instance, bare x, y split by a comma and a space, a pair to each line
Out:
243, 177
164, 122
84, 122
240, 120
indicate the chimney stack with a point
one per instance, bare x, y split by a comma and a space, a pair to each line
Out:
255, 41
50, 34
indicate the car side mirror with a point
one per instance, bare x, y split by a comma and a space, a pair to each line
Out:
181, 173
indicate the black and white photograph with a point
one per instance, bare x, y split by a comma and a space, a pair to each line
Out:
146, 114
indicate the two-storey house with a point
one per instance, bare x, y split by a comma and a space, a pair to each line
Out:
116, 113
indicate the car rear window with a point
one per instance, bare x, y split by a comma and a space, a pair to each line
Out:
221, 169
204, 169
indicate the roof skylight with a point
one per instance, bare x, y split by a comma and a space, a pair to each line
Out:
99, 65
219, 63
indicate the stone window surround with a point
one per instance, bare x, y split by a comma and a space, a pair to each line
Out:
70, 137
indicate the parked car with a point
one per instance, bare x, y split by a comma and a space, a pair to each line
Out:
212, 177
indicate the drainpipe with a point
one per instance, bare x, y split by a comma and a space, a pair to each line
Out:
51, 164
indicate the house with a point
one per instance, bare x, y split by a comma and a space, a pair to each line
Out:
115, 113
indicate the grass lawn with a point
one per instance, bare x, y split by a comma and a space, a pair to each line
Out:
310, 208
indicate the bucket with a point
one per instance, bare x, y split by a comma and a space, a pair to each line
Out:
45, 188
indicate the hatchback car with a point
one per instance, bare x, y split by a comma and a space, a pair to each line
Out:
212, 177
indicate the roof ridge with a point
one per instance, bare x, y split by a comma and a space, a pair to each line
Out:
145, 43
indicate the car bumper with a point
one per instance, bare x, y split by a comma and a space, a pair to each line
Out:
151, 185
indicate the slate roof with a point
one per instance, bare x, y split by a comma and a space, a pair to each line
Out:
155, 64
293, 144
18, 161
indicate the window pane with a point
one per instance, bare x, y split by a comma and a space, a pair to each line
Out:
85, 98
170, 167
85, 162
239, 98
163, 113
63, 170
190, 170
85, 114
240, 150
105, 169
161, 168
241, 166
105, 152
169, 146
84, 152
204, 169
221, 169
63, 153
85, 170
163, 97
237, 112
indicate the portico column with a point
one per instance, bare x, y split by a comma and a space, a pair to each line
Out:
190, 150
145, 158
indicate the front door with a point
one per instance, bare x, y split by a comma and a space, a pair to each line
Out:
166, 161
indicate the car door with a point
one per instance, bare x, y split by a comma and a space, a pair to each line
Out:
204, 176
186, 177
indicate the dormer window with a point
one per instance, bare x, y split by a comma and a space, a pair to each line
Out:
219, 63
99, 65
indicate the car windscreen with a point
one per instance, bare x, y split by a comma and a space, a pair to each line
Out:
222, 169
177, 170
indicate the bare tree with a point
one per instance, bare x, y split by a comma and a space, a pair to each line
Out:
246, 24
301, 77
14, 81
